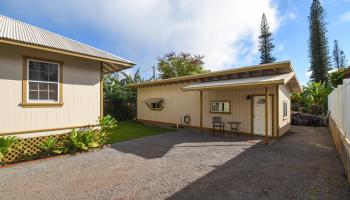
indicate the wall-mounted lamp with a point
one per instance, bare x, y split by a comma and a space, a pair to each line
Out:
248, 97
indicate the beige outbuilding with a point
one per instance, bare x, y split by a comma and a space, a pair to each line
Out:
258, 98
49, 83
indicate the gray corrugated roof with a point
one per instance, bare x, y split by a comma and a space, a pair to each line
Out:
286, 65
241, 81
14, 30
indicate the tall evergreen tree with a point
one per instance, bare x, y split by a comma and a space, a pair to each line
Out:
265, 42
336, 55
342, 60
318, 43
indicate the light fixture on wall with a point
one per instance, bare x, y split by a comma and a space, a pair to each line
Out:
248, 97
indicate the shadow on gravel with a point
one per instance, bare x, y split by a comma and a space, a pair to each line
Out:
293, 168
157, 146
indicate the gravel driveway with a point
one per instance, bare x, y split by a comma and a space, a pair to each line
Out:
186, 165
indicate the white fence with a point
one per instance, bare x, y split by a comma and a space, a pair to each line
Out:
339, 106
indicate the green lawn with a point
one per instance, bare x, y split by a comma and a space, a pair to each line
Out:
128, 130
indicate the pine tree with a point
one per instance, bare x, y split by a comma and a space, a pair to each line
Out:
342, 60
318, 43
336, 55
265, 42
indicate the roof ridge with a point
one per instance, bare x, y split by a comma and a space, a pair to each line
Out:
63, 37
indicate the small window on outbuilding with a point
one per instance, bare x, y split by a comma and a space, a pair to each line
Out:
285, 109
220, 107
154, 103
156, 106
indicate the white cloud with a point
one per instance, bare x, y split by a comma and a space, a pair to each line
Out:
345, 17
308, 74
224, 31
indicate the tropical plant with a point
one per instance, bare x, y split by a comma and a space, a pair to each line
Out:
50, 146
316, 97
74, 142
265, 42
175, 65
88, 137
336, 78
318, 43
6, 143
298, 100
84, 140
107, 124
120, 98
313, 99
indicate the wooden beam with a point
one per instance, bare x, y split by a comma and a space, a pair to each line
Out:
201, 110
101, 91
46, 130
273, 117
277, 112
266, 115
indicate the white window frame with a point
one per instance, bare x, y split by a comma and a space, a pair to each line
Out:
285, 109
221, 106
58, 82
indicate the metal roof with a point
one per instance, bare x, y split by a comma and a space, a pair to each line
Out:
16, 31
286, 65
250, 81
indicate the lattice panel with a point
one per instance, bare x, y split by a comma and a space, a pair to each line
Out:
27, 147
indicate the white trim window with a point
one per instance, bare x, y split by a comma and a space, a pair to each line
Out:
220, 107
285, 109
43, 81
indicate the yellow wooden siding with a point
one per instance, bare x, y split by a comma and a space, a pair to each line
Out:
240, 106
81, 89
178, 103
284, 95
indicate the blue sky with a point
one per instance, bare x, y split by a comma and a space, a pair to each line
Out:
225, 31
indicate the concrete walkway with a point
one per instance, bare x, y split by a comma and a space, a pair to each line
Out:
186, 165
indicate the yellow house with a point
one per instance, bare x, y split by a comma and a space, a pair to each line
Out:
49, 83
255, 97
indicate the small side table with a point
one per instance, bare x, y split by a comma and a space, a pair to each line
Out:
234, 126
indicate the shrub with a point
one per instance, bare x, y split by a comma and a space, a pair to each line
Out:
6, 144
74, 142
107, 124
336, 78
50, 146
84, 140
314, 98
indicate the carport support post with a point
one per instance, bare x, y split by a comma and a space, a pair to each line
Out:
266, 115
201, 110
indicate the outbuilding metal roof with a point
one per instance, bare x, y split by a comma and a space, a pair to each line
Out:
251, 81
15, 31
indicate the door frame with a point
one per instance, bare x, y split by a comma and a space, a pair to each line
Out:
252, 112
